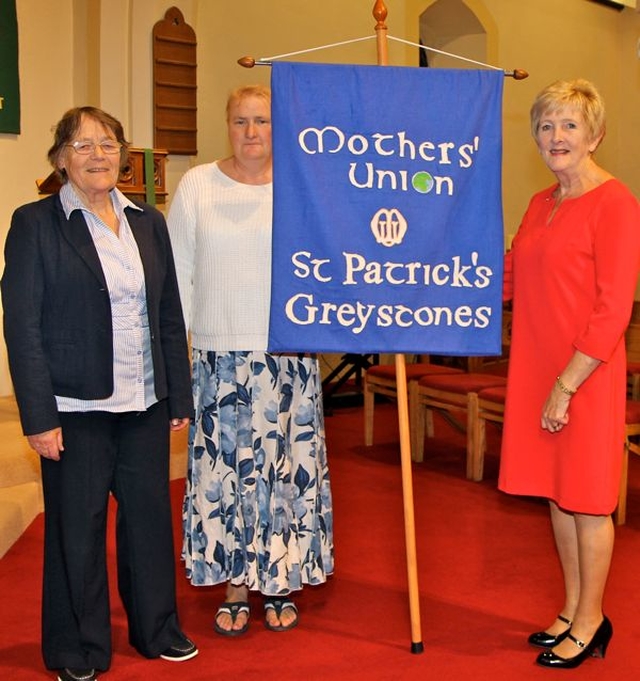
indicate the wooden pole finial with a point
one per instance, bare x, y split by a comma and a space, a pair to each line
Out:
519, 74
247, 62
380, 14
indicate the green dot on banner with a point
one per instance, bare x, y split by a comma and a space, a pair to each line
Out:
422, 182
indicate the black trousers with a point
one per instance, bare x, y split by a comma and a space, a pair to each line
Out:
126, 455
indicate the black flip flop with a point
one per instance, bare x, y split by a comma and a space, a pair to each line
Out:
278, 604
232, 609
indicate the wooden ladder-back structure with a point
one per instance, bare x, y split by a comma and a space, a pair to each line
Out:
175, 85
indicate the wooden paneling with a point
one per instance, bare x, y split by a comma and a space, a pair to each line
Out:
133, 181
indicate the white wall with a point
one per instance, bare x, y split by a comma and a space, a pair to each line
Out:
45, 50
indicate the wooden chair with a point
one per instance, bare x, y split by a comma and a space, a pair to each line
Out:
632, 429
632, 340
495, 365
485, 405
632, 415
451, 395
381, 380
488, 405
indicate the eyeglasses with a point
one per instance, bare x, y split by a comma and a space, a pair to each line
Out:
85, 148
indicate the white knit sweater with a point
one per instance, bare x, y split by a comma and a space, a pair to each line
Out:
221, 235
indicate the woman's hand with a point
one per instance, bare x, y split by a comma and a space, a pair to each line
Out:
555, 413
47, 444
178, 424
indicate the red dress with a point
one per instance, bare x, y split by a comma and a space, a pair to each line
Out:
573, 287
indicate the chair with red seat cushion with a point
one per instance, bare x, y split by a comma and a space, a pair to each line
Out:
632, 341
633, 377
632, 429
485, 405
450, 395
488, 405
381, 380
495, 364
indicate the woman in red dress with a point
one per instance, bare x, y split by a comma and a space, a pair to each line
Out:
572, 271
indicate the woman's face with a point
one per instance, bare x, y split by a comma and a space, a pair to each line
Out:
564, 140
250, 129
95, 173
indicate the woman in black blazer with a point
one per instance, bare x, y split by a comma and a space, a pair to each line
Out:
98, 356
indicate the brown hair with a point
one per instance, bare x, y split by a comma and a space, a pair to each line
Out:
68, 126
248, 91
578, 93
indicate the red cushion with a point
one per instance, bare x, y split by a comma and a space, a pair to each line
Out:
462, 383
496, 394
414, 371
632, 412
633, 367
497, 369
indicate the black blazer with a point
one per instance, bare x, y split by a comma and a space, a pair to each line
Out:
57, 314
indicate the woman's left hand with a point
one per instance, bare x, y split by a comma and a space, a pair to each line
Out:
178, 424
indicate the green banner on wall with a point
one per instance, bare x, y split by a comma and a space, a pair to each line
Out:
9, 78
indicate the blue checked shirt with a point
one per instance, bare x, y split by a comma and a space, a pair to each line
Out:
122, 267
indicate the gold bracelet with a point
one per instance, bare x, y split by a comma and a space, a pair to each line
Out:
563, 387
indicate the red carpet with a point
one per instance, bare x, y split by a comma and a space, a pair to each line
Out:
487, 569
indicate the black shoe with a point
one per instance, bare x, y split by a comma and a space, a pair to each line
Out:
67, 674
544, 639
180, 652
597, 647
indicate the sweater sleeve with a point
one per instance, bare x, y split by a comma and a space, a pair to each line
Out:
182, 231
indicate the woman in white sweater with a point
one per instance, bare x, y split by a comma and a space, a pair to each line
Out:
257, 511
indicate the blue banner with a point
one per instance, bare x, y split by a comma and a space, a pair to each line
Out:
388, 229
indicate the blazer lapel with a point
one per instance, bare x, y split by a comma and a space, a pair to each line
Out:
76, 232
142, 230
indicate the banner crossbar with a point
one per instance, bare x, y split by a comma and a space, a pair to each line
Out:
250, 62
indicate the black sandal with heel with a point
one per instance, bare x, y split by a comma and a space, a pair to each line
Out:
597, 647
543, 639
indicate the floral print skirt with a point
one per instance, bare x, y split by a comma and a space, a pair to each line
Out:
257, 508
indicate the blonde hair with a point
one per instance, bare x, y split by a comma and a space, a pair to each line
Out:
240, 93
578, 93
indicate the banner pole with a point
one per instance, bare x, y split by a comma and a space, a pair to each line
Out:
380, 14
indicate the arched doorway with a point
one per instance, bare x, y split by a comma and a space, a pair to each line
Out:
451, 26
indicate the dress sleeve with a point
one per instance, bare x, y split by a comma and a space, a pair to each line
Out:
616, 252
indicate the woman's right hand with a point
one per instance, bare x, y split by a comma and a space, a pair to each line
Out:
47, 444
555, 413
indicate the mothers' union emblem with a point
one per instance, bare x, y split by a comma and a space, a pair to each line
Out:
388, 226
